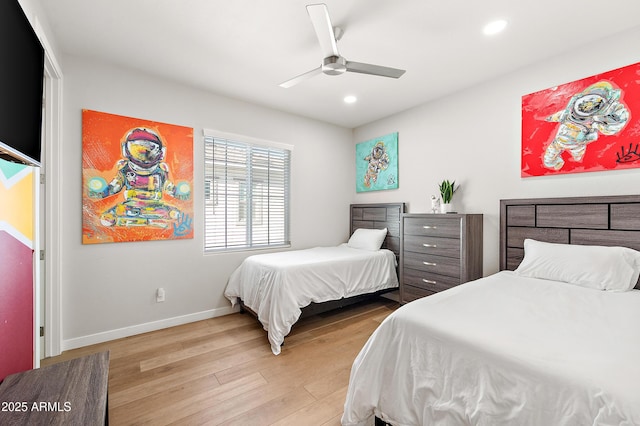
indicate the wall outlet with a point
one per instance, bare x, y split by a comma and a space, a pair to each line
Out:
160, 295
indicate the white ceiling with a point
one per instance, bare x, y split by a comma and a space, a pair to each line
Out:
245, 48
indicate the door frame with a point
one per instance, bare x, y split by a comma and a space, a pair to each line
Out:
52, 187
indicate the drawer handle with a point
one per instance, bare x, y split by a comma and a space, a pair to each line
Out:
430, 245
430, 263
429, 281
430, 227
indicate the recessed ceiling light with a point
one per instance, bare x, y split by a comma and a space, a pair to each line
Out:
350, 99
494, 27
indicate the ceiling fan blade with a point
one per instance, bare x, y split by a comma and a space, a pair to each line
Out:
321, 22
301, 77
362, 68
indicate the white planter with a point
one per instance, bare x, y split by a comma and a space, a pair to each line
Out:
446, 207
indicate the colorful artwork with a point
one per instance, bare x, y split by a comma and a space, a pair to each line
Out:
588, 125
137, 179
16, 266
377, 164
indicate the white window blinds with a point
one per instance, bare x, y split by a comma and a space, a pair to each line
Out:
246, 195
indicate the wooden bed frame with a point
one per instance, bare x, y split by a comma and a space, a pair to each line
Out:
369, 216
598, 220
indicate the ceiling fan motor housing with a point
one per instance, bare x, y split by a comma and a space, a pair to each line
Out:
334, 65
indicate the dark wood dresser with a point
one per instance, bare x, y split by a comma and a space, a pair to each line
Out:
438, 251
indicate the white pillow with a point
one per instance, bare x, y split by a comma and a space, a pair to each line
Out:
597, 267
367, 239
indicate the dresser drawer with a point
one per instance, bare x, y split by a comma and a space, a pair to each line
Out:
410, 293
428, 280
430, 263
436, 226
449, 247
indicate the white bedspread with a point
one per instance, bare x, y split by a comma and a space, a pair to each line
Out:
503, 350
277, 285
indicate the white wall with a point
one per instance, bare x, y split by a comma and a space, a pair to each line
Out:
473, 137
108, 290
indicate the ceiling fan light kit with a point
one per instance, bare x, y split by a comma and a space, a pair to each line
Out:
333, 63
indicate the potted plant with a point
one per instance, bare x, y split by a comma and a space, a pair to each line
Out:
447, 189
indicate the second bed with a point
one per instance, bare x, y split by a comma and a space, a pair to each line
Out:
276, 287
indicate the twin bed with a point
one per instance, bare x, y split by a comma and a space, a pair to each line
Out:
276, 287
551, 339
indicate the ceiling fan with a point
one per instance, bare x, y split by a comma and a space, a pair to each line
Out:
333, 63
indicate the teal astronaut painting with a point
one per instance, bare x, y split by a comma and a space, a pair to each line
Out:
377, 164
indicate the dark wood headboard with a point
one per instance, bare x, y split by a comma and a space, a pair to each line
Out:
378, 216
602, 220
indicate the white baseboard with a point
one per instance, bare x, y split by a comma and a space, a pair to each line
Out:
119, 333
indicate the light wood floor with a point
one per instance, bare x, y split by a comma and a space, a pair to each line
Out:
222, 371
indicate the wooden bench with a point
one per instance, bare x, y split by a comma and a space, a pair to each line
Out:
68, 393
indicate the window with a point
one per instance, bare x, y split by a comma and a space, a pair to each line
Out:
246, 193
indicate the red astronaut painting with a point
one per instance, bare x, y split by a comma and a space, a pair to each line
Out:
587, 125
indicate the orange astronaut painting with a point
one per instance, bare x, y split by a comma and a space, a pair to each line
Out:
137, 179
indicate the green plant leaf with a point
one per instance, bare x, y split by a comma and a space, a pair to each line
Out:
447, 189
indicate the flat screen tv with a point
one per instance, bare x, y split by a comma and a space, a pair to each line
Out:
21, 85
